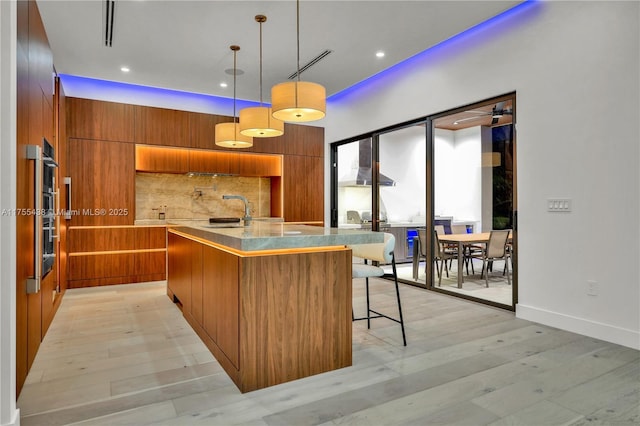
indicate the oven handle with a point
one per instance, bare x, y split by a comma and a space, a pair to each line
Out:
67, 183
56, 216
34, 152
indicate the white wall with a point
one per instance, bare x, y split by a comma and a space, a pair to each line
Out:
457, 174
9, 415
575, 68
402, 155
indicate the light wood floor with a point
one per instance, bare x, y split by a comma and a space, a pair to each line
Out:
124, 355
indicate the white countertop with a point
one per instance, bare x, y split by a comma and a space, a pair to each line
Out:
272, 236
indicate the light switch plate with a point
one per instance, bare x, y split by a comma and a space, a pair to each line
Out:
559, 205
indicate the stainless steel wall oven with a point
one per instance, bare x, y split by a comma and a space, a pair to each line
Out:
44, 212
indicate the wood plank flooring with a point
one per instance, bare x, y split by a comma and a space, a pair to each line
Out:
123, 354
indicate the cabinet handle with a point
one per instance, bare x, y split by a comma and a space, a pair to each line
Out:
34, 152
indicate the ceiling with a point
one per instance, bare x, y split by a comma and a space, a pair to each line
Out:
482, 114
184, 45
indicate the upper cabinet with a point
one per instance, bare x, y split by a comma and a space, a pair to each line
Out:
108, 121
202, 130
303, 140
296, 167
102, 182
160, 126
161, 159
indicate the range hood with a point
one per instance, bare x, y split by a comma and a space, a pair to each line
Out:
362, 176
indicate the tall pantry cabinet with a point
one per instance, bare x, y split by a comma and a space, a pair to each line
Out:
37, 112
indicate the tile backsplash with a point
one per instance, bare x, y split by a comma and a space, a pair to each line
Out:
200, 197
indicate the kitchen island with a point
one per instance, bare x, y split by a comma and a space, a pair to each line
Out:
271, 301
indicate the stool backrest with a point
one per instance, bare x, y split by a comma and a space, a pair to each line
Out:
380, 252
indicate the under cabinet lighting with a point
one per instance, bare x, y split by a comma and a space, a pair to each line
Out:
125, 69
380, 54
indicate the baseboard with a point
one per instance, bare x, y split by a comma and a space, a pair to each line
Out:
598, 330
16, 419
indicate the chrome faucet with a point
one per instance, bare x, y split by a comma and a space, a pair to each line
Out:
247, 213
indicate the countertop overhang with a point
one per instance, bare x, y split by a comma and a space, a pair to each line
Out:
274, 236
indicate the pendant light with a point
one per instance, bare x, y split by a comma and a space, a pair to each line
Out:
258, 121
298, 101
228, 134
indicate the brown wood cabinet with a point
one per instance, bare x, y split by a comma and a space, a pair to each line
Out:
303, 191
260, 165
202, 129
268, 318
161, 160
102, 182
214, 162
34, 121
104, 255
179, 250
220, 296
160, 126
107, 121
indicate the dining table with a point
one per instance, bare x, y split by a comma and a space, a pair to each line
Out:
463, 240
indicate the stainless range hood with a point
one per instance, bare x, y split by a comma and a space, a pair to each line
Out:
362, 176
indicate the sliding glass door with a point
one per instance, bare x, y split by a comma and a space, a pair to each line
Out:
473, 195
449, 176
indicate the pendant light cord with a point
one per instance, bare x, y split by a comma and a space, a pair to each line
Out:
298, 46
234, 88
260, 62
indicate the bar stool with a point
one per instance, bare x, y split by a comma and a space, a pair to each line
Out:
383, 253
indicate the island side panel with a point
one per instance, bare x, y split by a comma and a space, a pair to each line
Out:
295, 316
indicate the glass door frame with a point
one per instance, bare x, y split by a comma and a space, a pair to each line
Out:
430, 282
430, 190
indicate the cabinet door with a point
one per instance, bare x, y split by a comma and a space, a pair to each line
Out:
304, 140
179, 268
213, 162
109, 121
196, 281
303, 188
161, 160
260, 165
202, 129
102, 182
221, 296
159, 126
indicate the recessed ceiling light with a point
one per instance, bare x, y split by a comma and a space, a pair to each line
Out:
380, 54
223, 85
124, 69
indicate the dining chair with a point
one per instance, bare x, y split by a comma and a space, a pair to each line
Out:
469, 249
496, 249
458, 229
378, 253
442, 255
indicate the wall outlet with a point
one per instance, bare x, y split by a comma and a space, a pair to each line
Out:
592, 288
559, 205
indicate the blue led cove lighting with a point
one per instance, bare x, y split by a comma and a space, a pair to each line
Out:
480, 33
149, 96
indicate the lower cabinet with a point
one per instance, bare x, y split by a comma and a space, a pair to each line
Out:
204, 281
105, 255
268, 318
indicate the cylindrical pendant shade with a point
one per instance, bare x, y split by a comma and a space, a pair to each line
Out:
310, 104
259, 123
228, 135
